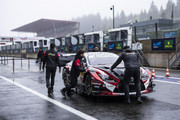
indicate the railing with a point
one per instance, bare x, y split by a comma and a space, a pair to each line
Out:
171, 59
140, 58
143, 60
4, 59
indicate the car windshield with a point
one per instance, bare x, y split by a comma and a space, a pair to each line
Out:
104, 59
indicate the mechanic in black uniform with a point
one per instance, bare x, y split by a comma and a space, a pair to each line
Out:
40, 56
132, 66
51, 59
76, 68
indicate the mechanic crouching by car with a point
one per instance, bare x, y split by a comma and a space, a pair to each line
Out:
132, 67
51, 59
40, 57
77, 67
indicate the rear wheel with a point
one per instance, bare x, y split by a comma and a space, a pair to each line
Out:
66, 77
88, 85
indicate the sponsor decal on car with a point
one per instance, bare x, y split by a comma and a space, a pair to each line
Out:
109, 86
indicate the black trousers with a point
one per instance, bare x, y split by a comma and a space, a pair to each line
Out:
135, 73
42, 62
50, 72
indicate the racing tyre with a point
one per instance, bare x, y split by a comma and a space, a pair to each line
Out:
88, 85
66, 77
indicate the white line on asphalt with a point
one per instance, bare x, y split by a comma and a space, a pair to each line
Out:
164, 69
168, 77
70, 109
167, 82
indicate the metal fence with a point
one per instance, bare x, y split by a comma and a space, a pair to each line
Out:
5, 60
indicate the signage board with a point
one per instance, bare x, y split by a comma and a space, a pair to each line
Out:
119, 46
115, 46
170, 34
91, 46
166, 44
111, 46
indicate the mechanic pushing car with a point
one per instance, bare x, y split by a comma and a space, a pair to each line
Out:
77, 67
51, 59
40, 57
132, 66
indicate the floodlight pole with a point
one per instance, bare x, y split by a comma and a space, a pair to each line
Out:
54, 29
112, 8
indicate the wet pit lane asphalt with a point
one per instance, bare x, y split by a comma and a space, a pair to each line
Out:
17, 103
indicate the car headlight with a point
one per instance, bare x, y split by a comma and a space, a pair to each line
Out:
144, 75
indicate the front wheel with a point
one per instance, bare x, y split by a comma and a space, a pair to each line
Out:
88, 85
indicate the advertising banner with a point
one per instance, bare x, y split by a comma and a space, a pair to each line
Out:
115, 46
91, 46
119, 46
166, 44
170, 34
111, 46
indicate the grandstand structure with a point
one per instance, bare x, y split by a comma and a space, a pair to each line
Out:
49, 28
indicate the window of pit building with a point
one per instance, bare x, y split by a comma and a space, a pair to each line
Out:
115, 36
124, 34
40, 43
24, 45
45, 42
106, 38
31, 44
8, 47
52, 40
27, 45
18, 46
89, 39
68, 41
63, 41
80, 39
94, 38
35, 43
13, 47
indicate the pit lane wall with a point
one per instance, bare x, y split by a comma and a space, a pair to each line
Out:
158, 58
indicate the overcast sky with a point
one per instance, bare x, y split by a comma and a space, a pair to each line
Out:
15, 13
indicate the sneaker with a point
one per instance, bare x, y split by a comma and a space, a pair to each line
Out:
70, 93
127, 100
139, 100
63, 92
49, 90
52, 89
